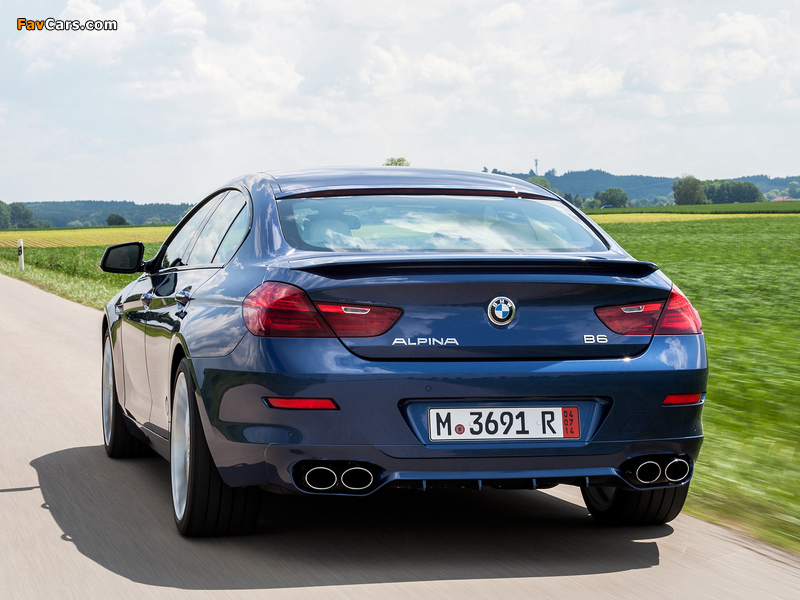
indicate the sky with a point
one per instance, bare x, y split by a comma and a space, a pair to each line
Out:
186, 95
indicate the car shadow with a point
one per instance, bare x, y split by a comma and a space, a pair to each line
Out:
117, 513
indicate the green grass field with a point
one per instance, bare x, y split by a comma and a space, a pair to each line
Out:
785, 207
740, 273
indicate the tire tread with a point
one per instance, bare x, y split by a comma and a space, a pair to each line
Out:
638, 507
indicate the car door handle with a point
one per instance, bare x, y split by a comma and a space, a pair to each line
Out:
147, 299
183, 296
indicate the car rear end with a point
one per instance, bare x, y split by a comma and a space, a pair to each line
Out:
473, 337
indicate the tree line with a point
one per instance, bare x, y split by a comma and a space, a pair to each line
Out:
685, 190
96, 213
645, 190
690, 190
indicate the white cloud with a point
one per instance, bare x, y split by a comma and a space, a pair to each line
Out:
452, 83
503, 17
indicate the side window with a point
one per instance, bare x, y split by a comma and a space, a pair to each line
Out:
223, 219
175, 256
233, 238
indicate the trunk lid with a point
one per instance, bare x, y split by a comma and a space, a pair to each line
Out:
446, 303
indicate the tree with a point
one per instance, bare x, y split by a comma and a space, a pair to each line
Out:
541, 182
5, 216
730, 192
689, 190
115, 219
793, 190
396, 162
22, 217
613, 196
590, 203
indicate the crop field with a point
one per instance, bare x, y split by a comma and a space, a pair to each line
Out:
89, 236
741, 275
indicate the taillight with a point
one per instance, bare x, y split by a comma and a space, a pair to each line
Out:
281, 310
631, 319
349, 320
679, 316
673, 317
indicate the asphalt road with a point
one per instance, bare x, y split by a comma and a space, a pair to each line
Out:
76, 524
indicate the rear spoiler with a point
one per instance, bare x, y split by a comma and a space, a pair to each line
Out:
344, 267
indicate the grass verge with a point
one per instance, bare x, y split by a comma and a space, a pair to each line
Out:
73, 273
741, 275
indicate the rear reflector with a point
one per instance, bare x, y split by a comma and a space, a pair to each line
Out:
302, 403
676, 399
357, 320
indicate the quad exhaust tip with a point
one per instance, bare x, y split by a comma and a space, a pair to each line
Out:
659, 470
337, 476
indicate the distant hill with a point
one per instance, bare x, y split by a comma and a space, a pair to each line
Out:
85, 213
586, 183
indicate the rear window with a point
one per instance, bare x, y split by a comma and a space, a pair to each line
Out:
433, 223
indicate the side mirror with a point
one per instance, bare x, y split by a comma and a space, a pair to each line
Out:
123, 258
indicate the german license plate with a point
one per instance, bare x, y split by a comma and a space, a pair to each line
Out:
504, 423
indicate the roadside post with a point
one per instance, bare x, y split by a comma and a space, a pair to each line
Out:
21, 256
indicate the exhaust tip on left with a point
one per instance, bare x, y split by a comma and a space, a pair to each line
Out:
648, 472
320, 479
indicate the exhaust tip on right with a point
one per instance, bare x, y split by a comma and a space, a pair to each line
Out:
677, 470
357, 478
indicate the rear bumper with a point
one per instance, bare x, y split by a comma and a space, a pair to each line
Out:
285, 465
622, 416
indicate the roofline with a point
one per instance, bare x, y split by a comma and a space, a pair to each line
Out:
338, 180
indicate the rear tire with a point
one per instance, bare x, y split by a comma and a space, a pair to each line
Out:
614, 506
203, 505
119, 442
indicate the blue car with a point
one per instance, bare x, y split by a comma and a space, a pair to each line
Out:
341, 331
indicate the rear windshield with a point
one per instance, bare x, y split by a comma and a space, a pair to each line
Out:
433, 223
